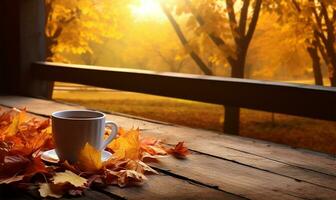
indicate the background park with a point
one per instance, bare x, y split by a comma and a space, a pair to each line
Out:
286, 41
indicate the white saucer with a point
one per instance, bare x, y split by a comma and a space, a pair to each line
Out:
51, 156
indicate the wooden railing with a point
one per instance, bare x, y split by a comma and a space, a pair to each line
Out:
302, 100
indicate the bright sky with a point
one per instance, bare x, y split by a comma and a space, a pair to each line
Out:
147, 10
151, 10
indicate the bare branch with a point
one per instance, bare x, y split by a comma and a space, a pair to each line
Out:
321, 49
219, 42
243, 18
184, 41
329, 24
175, 25
296, 5
323, 38
232, 19
319, 31
253, 22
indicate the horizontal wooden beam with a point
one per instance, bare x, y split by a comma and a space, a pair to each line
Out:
302, 100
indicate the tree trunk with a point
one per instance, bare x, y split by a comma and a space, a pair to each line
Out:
333, 77
332, 71
332, 58
316, 64
232, 113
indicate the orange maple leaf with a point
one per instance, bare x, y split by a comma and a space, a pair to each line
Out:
127, 145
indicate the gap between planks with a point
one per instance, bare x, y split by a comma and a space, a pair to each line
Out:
72, 107
316, 167
276, 191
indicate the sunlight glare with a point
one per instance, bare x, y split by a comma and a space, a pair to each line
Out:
147, 9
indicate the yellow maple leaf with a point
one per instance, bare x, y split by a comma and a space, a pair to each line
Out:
127, 145
69, 177
89, 158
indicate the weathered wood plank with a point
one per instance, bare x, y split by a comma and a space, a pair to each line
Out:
170, 188
158, 187
286, 188
260, 154
235, 178
244, 180
259, 95
317, 167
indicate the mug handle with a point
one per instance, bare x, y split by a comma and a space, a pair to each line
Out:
114, 131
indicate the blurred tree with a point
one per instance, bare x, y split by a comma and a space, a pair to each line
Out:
211, 21
277, 52
315, 21
292, 16
194, 55
324, 18
72, 24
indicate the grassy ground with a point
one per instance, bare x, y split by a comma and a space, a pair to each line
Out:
295, 131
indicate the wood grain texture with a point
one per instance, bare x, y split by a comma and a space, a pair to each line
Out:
170, 188
244, 180
158, 187
233, 147
237, 171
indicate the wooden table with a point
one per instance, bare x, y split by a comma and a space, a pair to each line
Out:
219, 167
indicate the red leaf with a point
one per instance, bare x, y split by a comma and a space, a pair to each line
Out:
179, 151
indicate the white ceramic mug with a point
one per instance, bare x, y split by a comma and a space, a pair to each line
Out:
72, 129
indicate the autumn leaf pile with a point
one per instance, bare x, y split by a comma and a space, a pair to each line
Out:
22, 141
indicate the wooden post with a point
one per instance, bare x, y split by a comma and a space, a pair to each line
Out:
9, 51
24, 43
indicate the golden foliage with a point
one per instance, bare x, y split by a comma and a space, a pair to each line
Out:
72, 25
